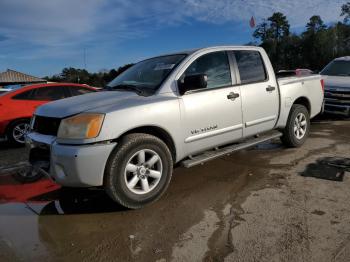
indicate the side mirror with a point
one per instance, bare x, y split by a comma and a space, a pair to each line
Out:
192, 82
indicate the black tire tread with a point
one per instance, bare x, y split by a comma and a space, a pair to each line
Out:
127, 142
288, 137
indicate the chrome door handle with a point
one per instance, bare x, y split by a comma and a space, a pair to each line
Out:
232, 96
270, 88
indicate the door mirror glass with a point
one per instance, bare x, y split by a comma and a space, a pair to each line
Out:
193, 82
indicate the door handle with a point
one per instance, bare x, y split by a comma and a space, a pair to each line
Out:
232, 96
270, 88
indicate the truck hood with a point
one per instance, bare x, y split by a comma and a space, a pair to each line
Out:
97, 102
337, 82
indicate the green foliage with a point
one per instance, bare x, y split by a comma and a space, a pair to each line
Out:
274, 35
279, 26
345, 11
100, 79
313, 48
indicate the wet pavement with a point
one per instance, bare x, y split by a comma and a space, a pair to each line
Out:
265, 204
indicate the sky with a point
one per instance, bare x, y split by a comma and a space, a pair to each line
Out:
41, 37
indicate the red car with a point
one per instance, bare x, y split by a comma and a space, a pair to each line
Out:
18, 106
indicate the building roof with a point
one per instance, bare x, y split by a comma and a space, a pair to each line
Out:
13, 77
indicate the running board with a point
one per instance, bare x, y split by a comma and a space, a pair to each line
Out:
213, 154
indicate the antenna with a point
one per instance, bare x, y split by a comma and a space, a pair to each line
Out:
84, 58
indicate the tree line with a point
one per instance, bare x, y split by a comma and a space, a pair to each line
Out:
75, 75
314, 48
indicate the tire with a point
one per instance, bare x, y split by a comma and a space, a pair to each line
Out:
298, 127
28, 175
16, 132
128, 168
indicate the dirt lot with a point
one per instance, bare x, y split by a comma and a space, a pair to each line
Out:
263, 204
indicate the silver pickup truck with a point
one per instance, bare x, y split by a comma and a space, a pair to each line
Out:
187, 108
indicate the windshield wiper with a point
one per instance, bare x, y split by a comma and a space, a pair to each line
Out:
127, 87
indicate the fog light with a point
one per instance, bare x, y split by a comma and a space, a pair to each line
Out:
59, 171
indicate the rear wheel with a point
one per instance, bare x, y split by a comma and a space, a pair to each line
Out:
17, 131
139, 170
298, 127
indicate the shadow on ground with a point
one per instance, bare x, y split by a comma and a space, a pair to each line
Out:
329, 168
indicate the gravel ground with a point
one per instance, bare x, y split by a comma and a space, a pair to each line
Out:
265, 204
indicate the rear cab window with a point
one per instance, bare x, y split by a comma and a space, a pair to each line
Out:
251, 66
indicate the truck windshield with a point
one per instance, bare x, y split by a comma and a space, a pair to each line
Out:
337, 68
146, 76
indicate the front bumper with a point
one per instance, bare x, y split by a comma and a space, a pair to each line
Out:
337, 109
70, 165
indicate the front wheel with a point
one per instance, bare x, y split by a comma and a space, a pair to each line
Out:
298, 127
139, 170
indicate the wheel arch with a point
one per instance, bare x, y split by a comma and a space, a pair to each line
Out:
304, 101
16, 120
156, 131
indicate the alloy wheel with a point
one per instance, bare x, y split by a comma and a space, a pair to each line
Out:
20, 131
300, 126
143, 171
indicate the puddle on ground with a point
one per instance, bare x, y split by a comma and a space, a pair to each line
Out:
46, 197
79, 201
329, 168
271, 145
92, 222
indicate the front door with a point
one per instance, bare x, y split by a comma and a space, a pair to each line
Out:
211, 116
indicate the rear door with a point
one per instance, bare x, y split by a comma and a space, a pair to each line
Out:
22, 105
259, 91
25, 103
211, 116
43, 95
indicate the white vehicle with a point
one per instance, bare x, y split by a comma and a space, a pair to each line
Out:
337, 86
188, 107
4, 90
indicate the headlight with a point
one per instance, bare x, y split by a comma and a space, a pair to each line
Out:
82, 126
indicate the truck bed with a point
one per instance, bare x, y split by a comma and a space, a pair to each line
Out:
308, 88
293, 79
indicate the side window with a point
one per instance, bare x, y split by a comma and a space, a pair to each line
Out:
77, 90
251, 66
23, 96
216, 66
49, 93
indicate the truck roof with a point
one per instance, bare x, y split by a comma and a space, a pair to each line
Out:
225, 47
344, 58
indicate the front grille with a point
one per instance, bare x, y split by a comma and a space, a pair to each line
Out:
46, 125
339, 97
